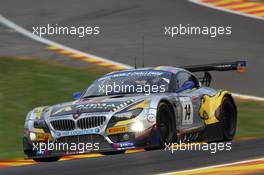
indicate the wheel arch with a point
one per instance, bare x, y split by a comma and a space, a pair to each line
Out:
210, 106
229, 95
173, 125
174, 111
170, 104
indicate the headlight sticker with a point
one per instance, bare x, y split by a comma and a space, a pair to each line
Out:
126, 115
128, 102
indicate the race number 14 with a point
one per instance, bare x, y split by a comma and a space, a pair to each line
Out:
187, 111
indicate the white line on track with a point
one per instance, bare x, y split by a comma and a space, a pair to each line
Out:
45, 41
215, 166
247, 97
42, 40
225, 10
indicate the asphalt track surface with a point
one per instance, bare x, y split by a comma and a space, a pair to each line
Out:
123, 24
150, 162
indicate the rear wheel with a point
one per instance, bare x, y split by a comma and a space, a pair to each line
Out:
49, 159
228, 119
165, 124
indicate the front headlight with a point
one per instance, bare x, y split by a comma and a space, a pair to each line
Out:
127, 115
32, 136
137, 127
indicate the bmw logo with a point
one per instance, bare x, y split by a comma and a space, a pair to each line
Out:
76, 115
58, 134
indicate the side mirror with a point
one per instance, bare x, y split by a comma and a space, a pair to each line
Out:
186, 85
76, 95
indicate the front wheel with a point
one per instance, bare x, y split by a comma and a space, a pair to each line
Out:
228, 119
166, 125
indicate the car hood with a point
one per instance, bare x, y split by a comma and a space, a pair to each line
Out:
95, 104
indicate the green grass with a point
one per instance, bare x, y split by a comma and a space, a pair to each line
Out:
250, 119
25, 84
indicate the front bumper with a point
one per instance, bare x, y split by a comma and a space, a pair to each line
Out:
101, 137
90, 143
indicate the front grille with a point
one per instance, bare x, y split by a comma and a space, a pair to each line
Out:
63, 125
83, 123
90, 122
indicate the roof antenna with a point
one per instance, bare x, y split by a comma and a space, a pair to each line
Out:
135, 62
143, 52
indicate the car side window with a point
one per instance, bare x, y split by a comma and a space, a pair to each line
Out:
183, 77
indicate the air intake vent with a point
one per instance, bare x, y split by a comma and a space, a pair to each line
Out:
91, 122
63, 125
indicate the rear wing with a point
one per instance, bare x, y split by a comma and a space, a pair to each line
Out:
239, 66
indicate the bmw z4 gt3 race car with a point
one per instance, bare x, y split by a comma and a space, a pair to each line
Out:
137, 108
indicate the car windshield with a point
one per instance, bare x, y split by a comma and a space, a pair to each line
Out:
130, 82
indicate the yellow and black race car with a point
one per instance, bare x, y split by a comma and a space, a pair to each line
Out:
137, 108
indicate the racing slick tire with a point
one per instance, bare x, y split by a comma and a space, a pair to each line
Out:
228, 120
113, 152
48, 159
166, 125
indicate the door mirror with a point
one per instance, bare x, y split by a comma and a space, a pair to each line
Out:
186, 85
76, 95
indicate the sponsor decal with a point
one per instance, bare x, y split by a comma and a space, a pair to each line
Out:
194, 98
40, 152
106, 106
135, 73
80, 132
117, 130
42, 137
95, 106
64, 109
126, 144
151, 118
